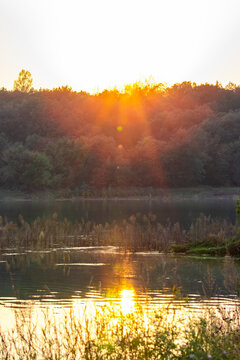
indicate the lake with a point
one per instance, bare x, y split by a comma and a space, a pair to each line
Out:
61, 278
101, 211
101, 273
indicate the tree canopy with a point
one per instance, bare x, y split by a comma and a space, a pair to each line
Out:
24, 81
149, 135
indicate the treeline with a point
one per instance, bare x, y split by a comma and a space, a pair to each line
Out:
146, 136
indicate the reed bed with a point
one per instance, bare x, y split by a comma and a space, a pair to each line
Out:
137, 233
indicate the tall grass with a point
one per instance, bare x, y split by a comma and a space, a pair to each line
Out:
138, 232
108, 333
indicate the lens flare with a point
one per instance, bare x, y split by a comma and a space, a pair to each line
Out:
119, 128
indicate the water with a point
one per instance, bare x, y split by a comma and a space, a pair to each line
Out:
100, 274
57, 289
61, 278
101, 211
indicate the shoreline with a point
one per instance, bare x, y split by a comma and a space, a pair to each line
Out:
165, 195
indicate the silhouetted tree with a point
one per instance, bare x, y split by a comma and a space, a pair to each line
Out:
24, 81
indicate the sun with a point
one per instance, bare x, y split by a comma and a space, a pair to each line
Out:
94, 45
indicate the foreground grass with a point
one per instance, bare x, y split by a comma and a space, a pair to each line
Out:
108, 333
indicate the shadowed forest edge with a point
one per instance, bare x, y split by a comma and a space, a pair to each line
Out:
147, 136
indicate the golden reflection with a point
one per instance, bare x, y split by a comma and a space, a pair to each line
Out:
127, 301
117, 326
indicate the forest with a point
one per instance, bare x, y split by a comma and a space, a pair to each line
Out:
148, 135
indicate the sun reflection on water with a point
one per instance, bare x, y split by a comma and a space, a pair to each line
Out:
108, 323
127, 301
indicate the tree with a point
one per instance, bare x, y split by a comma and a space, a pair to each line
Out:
29, 170
67, 157
183, 165
24, 81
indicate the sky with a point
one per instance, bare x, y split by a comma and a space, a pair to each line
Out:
91, 45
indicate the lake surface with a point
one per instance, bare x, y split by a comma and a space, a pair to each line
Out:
61, 278
101, 211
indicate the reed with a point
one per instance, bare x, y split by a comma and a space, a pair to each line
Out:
108, 333
137, 233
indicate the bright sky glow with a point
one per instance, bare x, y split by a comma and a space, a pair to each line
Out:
91, 45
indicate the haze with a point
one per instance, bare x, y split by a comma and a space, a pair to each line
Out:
92, 45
